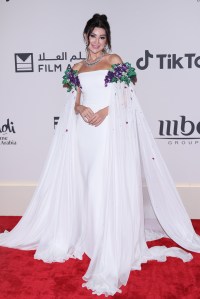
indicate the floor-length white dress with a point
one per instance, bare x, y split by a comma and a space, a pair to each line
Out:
104, 191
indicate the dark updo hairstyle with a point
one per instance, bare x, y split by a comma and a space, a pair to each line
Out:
99, 21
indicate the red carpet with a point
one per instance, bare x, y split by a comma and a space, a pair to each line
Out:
23, 277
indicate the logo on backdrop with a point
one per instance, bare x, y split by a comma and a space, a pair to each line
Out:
180, 131
58, 63
7, 130
169, 61
23, 62
43, 63
56, 119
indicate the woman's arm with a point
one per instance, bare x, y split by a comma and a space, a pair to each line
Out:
85, 112
98, 117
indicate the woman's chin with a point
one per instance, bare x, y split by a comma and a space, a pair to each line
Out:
96, 50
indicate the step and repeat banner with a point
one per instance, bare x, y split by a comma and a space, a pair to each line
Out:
39, 39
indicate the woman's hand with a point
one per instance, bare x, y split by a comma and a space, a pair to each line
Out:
98, 117
85, 112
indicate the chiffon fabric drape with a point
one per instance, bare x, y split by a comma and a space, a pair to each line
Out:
104, 191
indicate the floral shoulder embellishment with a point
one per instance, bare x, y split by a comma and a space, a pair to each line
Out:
71, 79
120, 72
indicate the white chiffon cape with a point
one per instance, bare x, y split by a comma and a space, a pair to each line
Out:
141, 201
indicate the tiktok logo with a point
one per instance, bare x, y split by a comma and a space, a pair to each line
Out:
169, 61
144, 61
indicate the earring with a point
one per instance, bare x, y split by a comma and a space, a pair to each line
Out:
86, 46
105, 50
86, 51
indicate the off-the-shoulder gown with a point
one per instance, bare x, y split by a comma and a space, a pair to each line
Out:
104, 191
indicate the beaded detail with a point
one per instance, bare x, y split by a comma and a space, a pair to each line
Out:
120, 72
71, 79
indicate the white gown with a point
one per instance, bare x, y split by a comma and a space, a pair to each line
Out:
104, 191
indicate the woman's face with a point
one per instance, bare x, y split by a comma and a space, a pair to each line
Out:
97, 40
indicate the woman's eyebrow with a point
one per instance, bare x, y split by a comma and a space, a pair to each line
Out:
100, 35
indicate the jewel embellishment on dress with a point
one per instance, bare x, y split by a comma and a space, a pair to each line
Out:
71, 79
120, 72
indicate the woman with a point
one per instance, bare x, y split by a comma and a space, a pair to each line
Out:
92, 197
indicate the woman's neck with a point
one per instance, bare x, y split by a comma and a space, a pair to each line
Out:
94, 56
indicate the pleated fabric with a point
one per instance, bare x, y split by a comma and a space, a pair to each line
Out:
138, 201
53, 221
133, 159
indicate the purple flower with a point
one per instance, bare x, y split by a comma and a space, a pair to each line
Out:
71, 79
121, 72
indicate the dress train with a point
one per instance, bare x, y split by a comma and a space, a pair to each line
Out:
55, 221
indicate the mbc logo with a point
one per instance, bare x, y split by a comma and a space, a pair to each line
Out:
182, 129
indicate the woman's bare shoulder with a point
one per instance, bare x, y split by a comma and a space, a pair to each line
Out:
114, 59
77, 66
